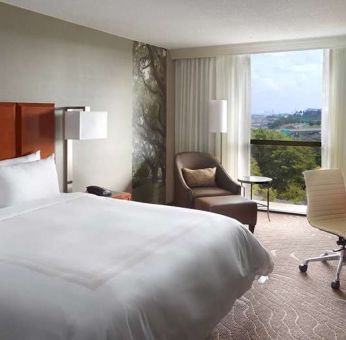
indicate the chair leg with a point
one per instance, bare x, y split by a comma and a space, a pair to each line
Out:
252, 228
341, 260
322, 258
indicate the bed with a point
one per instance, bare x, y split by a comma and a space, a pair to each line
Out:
78, 266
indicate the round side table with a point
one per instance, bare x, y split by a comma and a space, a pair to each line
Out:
265, 181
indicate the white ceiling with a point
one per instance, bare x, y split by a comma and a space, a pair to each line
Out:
191, 23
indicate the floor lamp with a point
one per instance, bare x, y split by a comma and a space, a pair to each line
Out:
80, 124
218, 119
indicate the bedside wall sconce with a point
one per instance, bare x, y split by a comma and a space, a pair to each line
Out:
80, 124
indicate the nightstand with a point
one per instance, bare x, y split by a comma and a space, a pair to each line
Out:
121, 195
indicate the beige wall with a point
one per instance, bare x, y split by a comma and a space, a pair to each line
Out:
48, 60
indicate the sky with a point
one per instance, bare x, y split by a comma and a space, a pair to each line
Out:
285, 82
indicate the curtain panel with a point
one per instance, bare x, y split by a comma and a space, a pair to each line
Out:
194, 87
334, 110
197, 81
233, 83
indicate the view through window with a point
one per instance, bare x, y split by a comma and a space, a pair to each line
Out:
286, 120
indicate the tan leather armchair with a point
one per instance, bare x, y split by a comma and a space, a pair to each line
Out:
185, 196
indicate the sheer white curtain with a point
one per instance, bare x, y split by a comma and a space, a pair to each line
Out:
233, 82
334, 110
196, 82
194, 87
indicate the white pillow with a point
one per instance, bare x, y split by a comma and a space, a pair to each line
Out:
24, 159
28, 181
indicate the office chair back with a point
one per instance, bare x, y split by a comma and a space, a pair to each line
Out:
326, 195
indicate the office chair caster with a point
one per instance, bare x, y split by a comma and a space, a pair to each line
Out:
335, 284
303, 268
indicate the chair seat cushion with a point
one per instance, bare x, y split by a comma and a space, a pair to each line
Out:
209, 191
235, 206
334, 224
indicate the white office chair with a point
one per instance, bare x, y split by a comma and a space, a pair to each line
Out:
326, 197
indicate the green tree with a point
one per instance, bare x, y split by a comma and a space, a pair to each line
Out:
258, 190
285, 164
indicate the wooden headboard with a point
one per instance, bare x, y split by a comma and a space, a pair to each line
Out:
26, 128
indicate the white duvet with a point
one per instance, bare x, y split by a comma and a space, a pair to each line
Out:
83, 267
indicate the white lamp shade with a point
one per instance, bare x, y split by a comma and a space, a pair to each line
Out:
85, 125
218, 116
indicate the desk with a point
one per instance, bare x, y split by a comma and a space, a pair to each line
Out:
265, 181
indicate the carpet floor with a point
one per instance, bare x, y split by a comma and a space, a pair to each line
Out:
290, 305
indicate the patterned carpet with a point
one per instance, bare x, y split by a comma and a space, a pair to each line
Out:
291, 305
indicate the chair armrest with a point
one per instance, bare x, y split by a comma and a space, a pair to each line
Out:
183, 194
224, 181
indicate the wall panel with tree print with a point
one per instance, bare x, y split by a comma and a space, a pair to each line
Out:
149, 123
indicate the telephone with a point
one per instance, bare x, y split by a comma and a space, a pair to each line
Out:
99, 191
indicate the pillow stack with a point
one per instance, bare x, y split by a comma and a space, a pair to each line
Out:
27, 178
24, 159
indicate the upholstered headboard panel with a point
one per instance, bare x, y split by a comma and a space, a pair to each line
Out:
7, 130
26, 128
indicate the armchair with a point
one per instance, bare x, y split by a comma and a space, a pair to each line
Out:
185, 196
224, 198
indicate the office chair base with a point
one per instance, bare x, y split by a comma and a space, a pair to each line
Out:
327, 256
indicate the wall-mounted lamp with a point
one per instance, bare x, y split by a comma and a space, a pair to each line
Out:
79, 124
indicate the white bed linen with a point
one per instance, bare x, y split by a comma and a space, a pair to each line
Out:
84, 267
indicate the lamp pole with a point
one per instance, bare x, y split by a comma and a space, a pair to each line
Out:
221, 148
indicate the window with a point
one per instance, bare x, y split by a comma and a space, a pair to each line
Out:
286, 120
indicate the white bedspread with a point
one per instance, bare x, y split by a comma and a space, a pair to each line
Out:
83, 267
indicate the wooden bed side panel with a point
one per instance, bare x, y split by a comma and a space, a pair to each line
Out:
35, 129
7, 130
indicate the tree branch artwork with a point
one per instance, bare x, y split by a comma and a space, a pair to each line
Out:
149, 123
